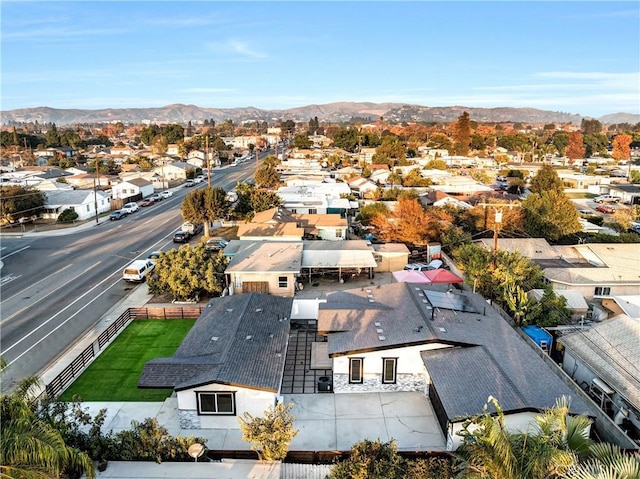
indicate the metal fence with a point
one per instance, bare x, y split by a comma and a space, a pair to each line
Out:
80, 363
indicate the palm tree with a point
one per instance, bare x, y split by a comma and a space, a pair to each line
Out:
490, 451
31, 448
607, 462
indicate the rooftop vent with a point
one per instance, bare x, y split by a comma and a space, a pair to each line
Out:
442, 330
379, 330
229, 310
381, 337
377, 324
214, 338
249, 337
259, 310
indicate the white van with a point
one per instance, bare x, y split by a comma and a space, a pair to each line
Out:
138, 270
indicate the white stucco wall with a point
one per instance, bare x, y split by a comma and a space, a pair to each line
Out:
253, 401
238, 279
411, 372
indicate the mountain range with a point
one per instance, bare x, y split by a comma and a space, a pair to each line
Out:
330, 112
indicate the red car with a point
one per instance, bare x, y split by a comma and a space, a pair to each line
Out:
147, 202
605, 209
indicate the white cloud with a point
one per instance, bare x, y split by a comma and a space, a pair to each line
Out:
238, 47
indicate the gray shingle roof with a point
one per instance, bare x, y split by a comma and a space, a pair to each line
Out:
612, 349
218, 348
493, 359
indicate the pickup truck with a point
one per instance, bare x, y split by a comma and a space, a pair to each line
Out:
191, 228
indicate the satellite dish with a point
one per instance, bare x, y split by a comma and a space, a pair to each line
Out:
196, 450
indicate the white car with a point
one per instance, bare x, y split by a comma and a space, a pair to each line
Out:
166, 194
606, 199
130, 208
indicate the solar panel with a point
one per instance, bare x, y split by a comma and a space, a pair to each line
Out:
452, 301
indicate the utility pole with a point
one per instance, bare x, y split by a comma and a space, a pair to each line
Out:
95, 191
206, 138
498, 210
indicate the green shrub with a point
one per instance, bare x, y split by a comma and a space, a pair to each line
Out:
67, 216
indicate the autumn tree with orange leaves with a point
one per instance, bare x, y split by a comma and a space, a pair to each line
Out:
409, 222
621, 147
575, 149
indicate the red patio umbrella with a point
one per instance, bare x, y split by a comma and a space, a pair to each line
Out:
410, 276
436, 276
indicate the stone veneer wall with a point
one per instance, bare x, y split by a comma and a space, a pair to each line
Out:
189, 419
373, 383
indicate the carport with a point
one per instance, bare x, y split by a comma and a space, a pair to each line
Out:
344, 258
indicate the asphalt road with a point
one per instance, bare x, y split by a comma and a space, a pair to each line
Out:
56, 287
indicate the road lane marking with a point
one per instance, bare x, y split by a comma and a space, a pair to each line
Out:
118, 271
8, 279
35, 284
4, 320
16, 251
62, 311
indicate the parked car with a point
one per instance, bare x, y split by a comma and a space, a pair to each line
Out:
157, 197
435, 264
605, 208
130, 208
189, 183
586, 212
606, 199
181, 237
147, 202
199, 179
216, 244
166, 194
117, 215
154, 255
417, 267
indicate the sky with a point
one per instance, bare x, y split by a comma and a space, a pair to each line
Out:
570, 56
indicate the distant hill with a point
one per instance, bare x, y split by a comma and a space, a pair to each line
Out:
332, 112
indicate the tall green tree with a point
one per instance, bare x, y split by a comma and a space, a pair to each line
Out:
347, 139
550, 215
20, 201
205, 205
189, 272
253, 200
560, 140
462, 135
301, 141
546, 179
30, 448
267, 176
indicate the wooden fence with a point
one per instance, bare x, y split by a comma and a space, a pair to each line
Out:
80, 363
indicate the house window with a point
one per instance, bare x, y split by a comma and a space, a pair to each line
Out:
283, 282
237, 282
313, 211
338, 233
88, 208
355, 370
221, 403
389, 367
601, 291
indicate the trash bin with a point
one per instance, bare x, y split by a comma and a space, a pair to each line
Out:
325, 384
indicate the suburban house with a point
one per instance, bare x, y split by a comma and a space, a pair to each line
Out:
136, 188
273, 224
577, 181
83, 202
446, 343
362, 187
313, 198
89, 180
439, 198
279, 267
270, 267
597, 270
629, 194
176, 171
460, 185
231, 362
604, 360
627, 305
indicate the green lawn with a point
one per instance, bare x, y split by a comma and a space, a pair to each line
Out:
575, 195
113, 376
